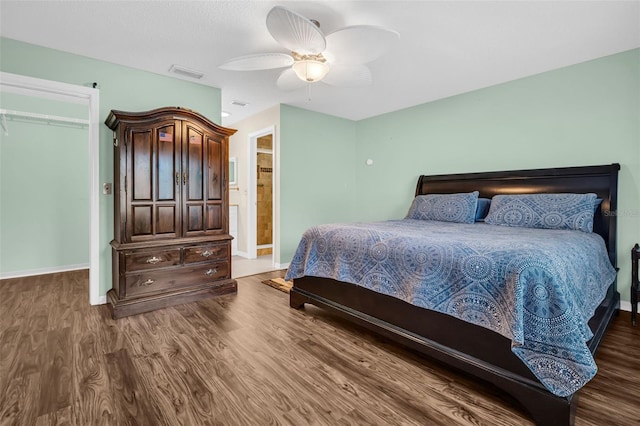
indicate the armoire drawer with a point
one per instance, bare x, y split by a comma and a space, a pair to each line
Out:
206, 253
140, 261
175, 278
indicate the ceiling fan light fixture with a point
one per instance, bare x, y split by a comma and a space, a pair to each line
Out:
310, 70
349, 49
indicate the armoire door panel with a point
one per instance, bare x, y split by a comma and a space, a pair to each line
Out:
141, 160
168, 164
141, 220
195, 219
214, 168
194, 152
154, 152
194, 183
166, 221
214, 217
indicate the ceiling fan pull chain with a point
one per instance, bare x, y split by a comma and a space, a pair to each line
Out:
309, 92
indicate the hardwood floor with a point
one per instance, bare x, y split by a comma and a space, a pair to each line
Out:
249, 359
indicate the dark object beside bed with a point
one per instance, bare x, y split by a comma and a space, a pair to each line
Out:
635, 284
472, 349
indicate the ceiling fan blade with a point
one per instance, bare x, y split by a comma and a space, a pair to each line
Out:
359, 44
343, 75
261, 61
288, 80
295, 32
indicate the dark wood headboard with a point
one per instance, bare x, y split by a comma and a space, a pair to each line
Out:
601, 180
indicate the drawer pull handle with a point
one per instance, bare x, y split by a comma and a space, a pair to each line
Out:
211, 272
148, 282
153, 260
206, 253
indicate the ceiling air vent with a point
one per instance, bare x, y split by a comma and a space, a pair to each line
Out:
187, 72
239, 103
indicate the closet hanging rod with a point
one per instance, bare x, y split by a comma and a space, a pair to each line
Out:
44, 117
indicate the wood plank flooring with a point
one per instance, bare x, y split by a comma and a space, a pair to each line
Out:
249, 359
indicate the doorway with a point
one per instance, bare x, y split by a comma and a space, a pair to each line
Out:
264, 196
261, 207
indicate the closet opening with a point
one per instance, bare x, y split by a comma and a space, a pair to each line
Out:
49, 129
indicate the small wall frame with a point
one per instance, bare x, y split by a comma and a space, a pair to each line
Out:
233, 171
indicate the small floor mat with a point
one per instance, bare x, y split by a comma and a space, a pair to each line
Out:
279, 284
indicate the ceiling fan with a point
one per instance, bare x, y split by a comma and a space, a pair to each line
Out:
337, 59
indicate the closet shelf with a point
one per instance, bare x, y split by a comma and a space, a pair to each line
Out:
43, 117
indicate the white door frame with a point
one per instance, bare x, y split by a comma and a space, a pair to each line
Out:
252, 222
48, 89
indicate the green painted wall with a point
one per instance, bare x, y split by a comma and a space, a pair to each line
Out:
120, 88
579, 115
586, 114
43, 106
317, 176
44, 188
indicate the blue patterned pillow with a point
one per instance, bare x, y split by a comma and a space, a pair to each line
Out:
459, 208
548, 211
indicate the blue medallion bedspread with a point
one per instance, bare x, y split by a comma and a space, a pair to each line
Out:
537, 287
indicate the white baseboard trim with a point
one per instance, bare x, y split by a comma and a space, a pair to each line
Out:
100, 300
282, 265
625, 306
43, 271
242, 254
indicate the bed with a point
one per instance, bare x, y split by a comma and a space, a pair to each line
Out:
470, 343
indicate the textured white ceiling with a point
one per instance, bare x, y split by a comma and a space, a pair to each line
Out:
446, 47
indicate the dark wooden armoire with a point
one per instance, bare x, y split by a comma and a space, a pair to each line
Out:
171, 233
